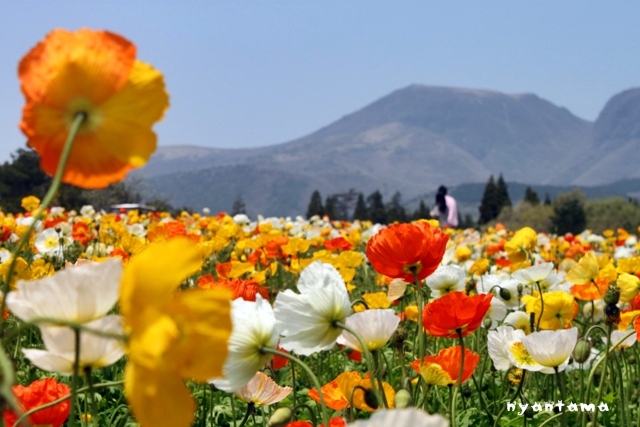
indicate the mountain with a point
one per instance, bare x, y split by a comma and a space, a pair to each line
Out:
616, 135
411, 140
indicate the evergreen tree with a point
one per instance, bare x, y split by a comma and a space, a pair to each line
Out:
422, 212
330, 207
531, 197
23, 177
547, 200
238, 207
315, 205
375, 208
360, 212
395, 210
466, 222
503, 194
489, 207
569, 215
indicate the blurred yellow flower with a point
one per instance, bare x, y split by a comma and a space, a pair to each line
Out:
173, 335
521, 244
629, 286
374, 300
30, 203
585, 271
463, 253
559, 309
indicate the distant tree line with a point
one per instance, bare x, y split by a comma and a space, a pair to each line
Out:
23, 177
353, 205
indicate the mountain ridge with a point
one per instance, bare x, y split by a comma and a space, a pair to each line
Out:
412, 140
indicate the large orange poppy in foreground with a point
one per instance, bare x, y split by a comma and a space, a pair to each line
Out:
96, 74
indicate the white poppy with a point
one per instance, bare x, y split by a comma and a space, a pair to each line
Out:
534, 274
76, 294
254, 327
374, 326
397, 288
496, 313
519, 320
447, 278
551, 348
96, 351
307, 320
51, 243
497, 344
408, 417
618, 335
597, 308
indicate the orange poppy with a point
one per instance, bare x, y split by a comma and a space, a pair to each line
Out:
96, 74
402, 249
39, 393
245, 289
444, 369
591, 291
350, 384
444, 316
339, 243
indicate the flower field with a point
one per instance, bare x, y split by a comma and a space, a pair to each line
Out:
143, 318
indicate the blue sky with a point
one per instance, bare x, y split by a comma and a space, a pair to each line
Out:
253, 73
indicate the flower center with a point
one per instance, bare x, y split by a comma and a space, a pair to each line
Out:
93, 115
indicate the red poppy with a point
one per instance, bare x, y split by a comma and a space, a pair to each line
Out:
273, 247
299, 424
39, 393
81, 233
245, 289
338, 243
402, 249
444, 316
279, 362
5, 233
444, 369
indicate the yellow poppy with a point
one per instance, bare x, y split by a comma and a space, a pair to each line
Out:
172, 335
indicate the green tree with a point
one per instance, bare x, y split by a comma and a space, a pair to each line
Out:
360, 212
315, 205
547, 200
330, 207
395, 210
612, 213
531, 197
569, 215
489, 205
422, 212
375, 208
22, 177
503, 194
238, 206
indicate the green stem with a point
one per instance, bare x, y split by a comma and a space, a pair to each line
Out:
594, 368
378, 376
62, 399
90, 396
563, 394
250, 409
541, 306
74, 378
461, 371
310, 374
48, 198
367, 356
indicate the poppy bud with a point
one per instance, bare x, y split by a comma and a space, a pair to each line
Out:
529, 412
582, 351
487, 322
280, 417
403, 399
399, 336
612, 296
466, 392
520, 288
632, 360
505, 294
612, 313
370, 399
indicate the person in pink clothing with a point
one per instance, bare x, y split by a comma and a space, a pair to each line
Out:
445, 209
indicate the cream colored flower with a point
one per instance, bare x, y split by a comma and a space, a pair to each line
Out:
551, 349
448, 278
408, 417
307, 320
254, 327
95, 351
374, 326
78, 294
